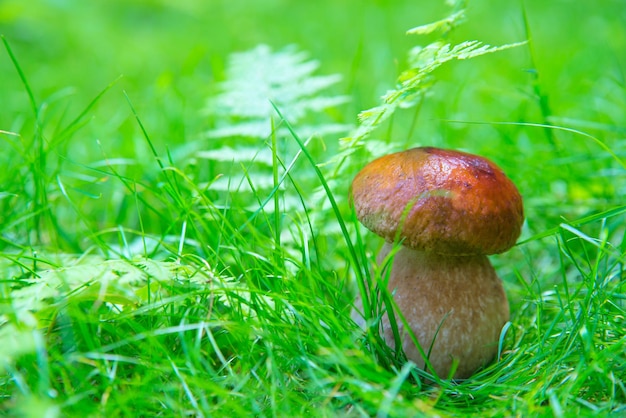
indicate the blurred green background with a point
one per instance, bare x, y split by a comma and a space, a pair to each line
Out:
171, 52
171, 55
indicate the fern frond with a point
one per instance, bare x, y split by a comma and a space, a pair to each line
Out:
250, 144
116, 282
414, 82
256, 81
259, 77
444, 25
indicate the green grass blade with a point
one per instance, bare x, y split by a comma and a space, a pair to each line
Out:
18, 68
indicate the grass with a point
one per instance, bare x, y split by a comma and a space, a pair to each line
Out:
170, 246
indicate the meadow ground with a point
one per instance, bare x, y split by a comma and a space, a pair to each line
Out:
176, 237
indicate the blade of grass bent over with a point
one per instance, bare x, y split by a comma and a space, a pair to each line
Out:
333, 203
29, 92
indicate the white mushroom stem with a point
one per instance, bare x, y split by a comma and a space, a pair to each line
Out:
455, 304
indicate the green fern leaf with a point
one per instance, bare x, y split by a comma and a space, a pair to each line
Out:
444, 25
415, 81
257, 78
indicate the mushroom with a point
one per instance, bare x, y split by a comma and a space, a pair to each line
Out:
449, 210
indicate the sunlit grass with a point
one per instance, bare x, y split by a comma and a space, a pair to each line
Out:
145, 273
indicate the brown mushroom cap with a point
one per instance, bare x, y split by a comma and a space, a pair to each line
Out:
447, 202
